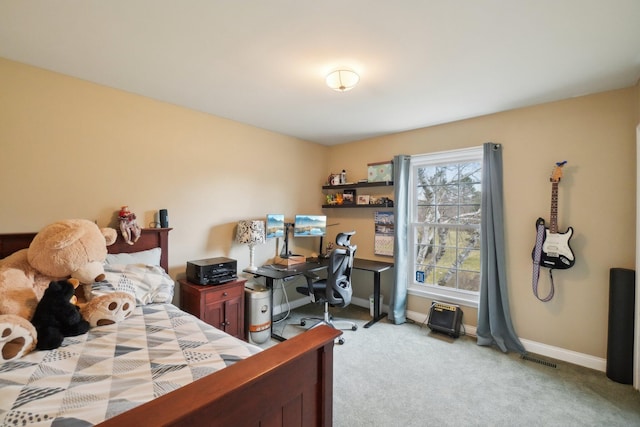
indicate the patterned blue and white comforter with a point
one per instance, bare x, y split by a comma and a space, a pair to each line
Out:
114, 368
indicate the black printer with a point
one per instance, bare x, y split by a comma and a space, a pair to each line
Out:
212, 271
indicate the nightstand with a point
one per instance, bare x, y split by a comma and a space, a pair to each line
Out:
221, 306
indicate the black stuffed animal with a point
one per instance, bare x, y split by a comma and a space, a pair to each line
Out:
56, 317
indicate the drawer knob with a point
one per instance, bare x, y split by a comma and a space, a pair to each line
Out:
224, 294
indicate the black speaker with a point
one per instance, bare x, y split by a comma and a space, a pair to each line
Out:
622, 298
445, 318
163, 214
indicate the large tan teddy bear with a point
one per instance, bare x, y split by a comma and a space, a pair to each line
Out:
73, 248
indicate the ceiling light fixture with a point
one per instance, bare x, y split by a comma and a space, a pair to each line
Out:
342, 79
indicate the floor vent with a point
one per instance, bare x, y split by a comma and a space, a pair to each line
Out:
540, 361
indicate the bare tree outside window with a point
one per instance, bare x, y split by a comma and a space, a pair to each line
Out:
446, 225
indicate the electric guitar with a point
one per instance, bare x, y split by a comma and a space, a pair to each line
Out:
556, 252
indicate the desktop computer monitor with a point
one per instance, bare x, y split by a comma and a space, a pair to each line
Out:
310, 226
275, 225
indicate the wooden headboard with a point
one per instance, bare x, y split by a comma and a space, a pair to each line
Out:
150, 238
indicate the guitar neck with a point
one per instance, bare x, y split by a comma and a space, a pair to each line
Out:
553, 225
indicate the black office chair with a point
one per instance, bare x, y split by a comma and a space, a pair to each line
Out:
336, 289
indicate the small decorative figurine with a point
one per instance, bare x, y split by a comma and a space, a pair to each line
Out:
128, 225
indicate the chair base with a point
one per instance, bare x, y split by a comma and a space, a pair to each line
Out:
329, 321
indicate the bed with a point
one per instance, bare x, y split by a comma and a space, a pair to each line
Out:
289, 384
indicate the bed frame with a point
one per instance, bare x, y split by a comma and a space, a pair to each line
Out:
289, 384
149, 238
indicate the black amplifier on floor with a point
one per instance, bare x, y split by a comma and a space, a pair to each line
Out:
445, 318
212, 271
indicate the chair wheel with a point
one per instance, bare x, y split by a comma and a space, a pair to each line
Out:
340, 340
354, 328
302, 323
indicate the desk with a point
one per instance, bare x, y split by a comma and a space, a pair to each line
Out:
376, 267
282, 272
312, 265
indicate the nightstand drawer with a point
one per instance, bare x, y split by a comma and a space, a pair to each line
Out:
223, 294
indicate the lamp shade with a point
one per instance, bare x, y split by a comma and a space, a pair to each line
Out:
342, 79
251, 232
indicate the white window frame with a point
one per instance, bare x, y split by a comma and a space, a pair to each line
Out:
439, 293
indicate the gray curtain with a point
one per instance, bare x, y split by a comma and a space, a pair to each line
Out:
494, 317
398, 300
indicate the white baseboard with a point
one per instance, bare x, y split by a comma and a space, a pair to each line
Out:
565, 355
541, 349
360, 302
277, 309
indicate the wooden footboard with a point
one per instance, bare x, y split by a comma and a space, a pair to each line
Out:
289, 384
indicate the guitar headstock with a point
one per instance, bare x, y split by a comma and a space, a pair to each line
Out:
556, 175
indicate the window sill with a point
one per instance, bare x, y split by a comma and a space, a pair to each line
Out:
444, 295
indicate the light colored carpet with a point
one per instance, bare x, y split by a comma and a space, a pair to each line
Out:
406, 375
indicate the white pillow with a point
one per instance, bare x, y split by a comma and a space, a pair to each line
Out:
148, 257
147, 283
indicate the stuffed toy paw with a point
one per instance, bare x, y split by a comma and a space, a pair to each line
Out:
17, 337
56, 317
75, 248
109, 309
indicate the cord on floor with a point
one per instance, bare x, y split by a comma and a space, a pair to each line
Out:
286, 298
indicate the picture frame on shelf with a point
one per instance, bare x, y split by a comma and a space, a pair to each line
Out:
380, 171
349, 197
363, 199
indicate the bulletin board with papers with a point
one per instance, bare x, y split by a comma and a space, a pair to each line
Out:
384, 233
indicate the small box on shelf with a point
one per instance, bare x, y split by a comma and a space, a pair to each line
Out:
291, 260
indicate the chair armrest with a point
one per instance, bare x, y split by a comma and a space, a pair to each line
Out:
311, 275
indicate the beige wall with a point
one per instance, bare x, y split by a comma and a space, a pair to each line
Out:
596, 134
637, 87
74, 149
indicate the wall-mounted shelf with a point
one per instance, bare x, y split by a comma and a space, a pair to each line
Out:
354, 205
358, 185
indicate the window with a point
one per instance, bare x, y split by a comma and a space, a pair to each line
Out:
444, 240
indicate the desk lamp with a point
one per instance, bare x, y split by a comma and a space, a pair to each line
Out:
251, 232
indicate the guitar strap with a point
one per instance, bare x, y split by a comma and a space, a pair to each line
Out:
537, 256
